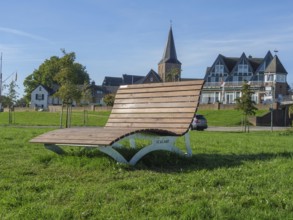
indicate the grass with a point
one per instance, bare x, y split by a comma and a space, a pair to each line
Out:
226, 117
214, 117
230, 176
53, 118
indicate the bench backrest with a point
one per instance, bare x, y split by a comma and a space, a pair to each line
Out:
160, 107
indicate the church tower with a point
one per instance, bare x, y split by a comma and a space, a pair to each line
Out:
169, 68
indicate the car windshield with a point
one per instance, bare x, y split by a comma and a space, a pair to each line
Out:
200, 117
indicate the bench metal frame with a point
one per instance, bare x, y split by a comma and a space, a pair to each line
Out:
164, 143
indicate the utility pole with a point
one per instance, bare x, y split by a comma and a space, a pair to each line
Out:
272, 106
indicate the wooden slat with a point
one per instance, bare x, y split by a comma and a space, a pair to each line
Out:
149, 120
159, 99
148, 125
155, 94
153, 110
159, 89
155, 116
157, 105
165, 84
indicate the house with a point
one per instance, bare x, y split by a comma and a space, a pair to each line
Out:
151, 77
42, 97
99, 92
124, 80
224, 79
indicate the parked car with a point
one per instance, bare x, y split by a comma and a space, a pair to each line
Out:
199, 123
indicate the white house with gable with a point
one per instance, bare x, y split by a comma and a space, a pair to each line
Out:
41, 98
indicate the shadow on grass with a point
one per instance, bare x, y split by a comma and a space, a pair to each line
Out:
164, 161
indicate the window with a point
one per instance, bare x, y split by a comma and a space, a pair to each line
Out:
217, 97
242, 68
238, 95
270, 78
219, 69
40, 96
40, 88
281, 78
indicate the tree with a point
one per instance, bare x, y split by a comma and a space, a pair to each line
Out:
5, 101
21, 102
11, 96
70, 77
109, 99
47, 73
246, 104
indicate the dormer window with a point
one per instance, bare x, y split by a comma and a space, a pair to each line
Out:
219, 69
242, 68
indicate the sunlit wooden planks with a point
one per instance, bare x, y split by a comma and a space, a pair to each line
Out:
159, 105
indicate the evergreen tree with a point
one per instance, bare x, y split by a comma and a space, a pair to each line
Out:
12, 96
109, 99
246, 104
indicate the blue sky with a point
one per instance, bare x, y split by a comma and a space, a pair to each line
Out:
115, 37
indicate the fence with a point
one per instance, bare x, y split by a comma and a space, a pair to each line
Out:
219, 106
57, 108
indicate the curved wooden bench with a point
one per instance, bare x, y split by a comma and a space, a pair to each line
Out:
158, 111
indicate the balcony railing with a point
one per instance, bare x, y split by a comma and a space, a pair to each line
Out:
233, 84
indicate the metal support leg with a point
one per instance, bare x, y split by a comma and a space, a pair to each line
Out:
132, 142
161, 143
187, 144
114, 154
56, 149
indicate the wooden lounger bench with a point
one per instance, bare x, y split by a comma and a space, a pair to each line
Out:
160, 112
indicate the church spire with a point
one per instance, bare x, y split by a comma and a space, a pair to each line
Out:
170, 55
169, 66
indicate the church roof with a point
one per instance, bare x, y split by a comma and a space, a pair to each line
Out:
170, 55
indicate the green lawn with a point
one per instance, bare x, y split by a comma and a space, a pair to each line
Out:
53, 118
214, 117
226, 117
230, 176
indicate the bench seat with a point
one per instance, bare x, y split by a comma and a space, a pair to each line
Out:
91, 136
